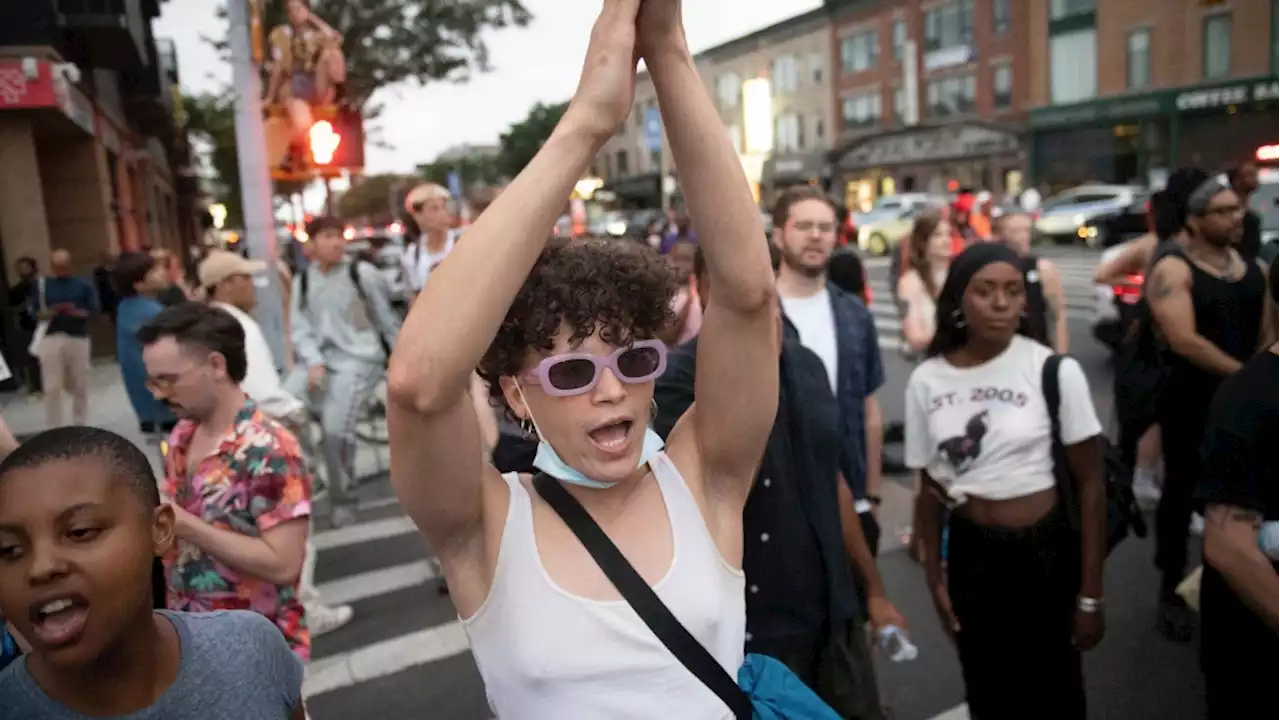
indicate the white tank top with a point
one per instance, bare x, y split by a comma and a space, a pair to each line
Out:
546, 654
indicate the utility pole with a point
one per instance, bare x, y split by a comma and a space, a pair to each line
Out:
255, 180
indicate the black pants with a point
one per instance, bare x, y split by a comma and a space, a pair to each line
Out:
1013, 592
25, 366
839, 669
1180, 437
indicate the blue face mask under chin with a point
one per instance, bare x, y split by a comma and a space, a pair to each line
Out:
548, 461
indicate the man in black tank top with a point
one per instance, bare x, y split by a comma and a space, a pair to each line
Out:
1046, 311
1206, 301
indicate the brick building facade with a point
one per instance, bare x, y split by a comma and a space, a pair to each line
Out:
1126, 91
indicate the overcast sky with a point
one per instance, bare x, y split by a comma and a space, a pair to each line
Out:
538, 63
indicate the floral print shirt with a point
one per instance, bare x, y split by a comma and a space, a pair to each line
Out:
253, 481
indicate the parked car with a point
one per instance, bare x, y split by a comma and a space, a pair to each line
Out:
891, 206
879, 237
1264, 202
1076, 215
1125, 224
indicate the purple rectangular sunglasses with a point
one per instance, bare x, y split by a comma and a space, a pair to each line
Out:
578, 372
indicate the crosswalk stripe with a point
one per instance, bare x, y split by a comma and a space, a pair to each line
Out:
384, 658
373, 583
364, 532
959, 712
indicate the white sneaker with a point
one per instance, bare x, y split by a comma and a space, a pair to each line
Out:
322, 618
1145, 489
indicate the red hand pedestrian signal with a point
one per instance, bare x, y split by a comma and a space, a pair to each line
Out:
324, 142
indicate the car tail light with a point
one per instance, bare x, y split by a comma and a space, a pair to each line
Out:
1131, 291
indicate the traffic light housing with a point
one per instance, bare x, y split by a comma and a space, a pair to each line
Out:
334, 144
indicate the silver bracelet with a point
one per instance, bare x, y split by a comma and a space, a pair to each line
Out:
1088, 604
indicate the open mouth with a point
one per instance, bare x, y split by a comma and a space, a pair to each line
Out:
60, 621
612, 438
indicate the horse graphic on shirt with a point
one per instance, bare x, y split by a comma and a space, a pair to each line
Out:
962, 450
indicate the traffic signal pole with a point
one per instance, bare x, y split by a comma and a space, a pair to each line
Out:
255, 178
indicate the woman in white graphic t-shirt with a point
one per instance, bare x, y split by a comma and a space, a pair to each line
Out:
1022, 589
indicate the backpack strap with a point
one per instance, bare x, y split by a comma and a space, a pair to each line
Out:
1052, 394
642, 598
353, 272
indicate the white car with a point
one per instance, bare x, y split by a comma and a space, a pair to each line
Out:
891, 206
1075, 215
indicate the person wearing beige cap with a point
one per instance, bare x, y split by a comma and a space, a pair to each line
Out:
227, 279
428, 207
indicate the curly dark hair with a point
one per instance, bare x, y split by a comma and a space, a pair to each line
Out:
624, 289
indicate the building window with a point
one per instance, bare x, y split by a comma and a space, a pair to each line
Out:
899, 39
819, 131
1000, 16
728, 89
948, 25
899, 106
1217, 46
1062, 9
785, 75
1002, 86
1073, 66
1139, 59
862, 111
951, 96
858, 52
655, 161
620, 162
817, 65
788, 133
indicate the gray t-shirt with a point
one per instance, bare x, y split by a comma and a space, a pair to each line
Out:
235, 666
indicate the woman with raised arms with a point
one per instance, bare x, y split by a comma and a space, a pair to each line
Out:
565, 334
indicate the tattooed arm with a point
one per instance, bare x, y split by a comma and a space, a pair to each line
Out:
1168, 294
1231, 547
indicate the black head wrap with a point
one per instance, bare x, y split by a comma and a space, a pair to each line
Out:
951, 332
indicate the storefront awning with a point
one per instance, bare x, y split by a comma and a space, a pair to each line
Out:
795, 167
33, 84
1216, 96
955, 141
636, 187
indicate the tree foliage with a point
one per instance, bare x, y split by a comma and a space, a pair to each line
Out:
521, 142
376, 197
392, 41
211, 117
474, 169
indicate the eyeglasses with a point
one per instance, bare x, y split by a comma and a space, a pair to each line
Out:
167, 382
577, 373
805, 226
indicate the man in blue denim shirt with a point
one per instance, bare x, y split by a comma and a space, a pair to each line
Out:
66, 303
838, 328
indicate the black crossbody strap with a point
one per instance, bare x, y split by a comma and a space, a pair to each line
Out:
642, 599
1052, 395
